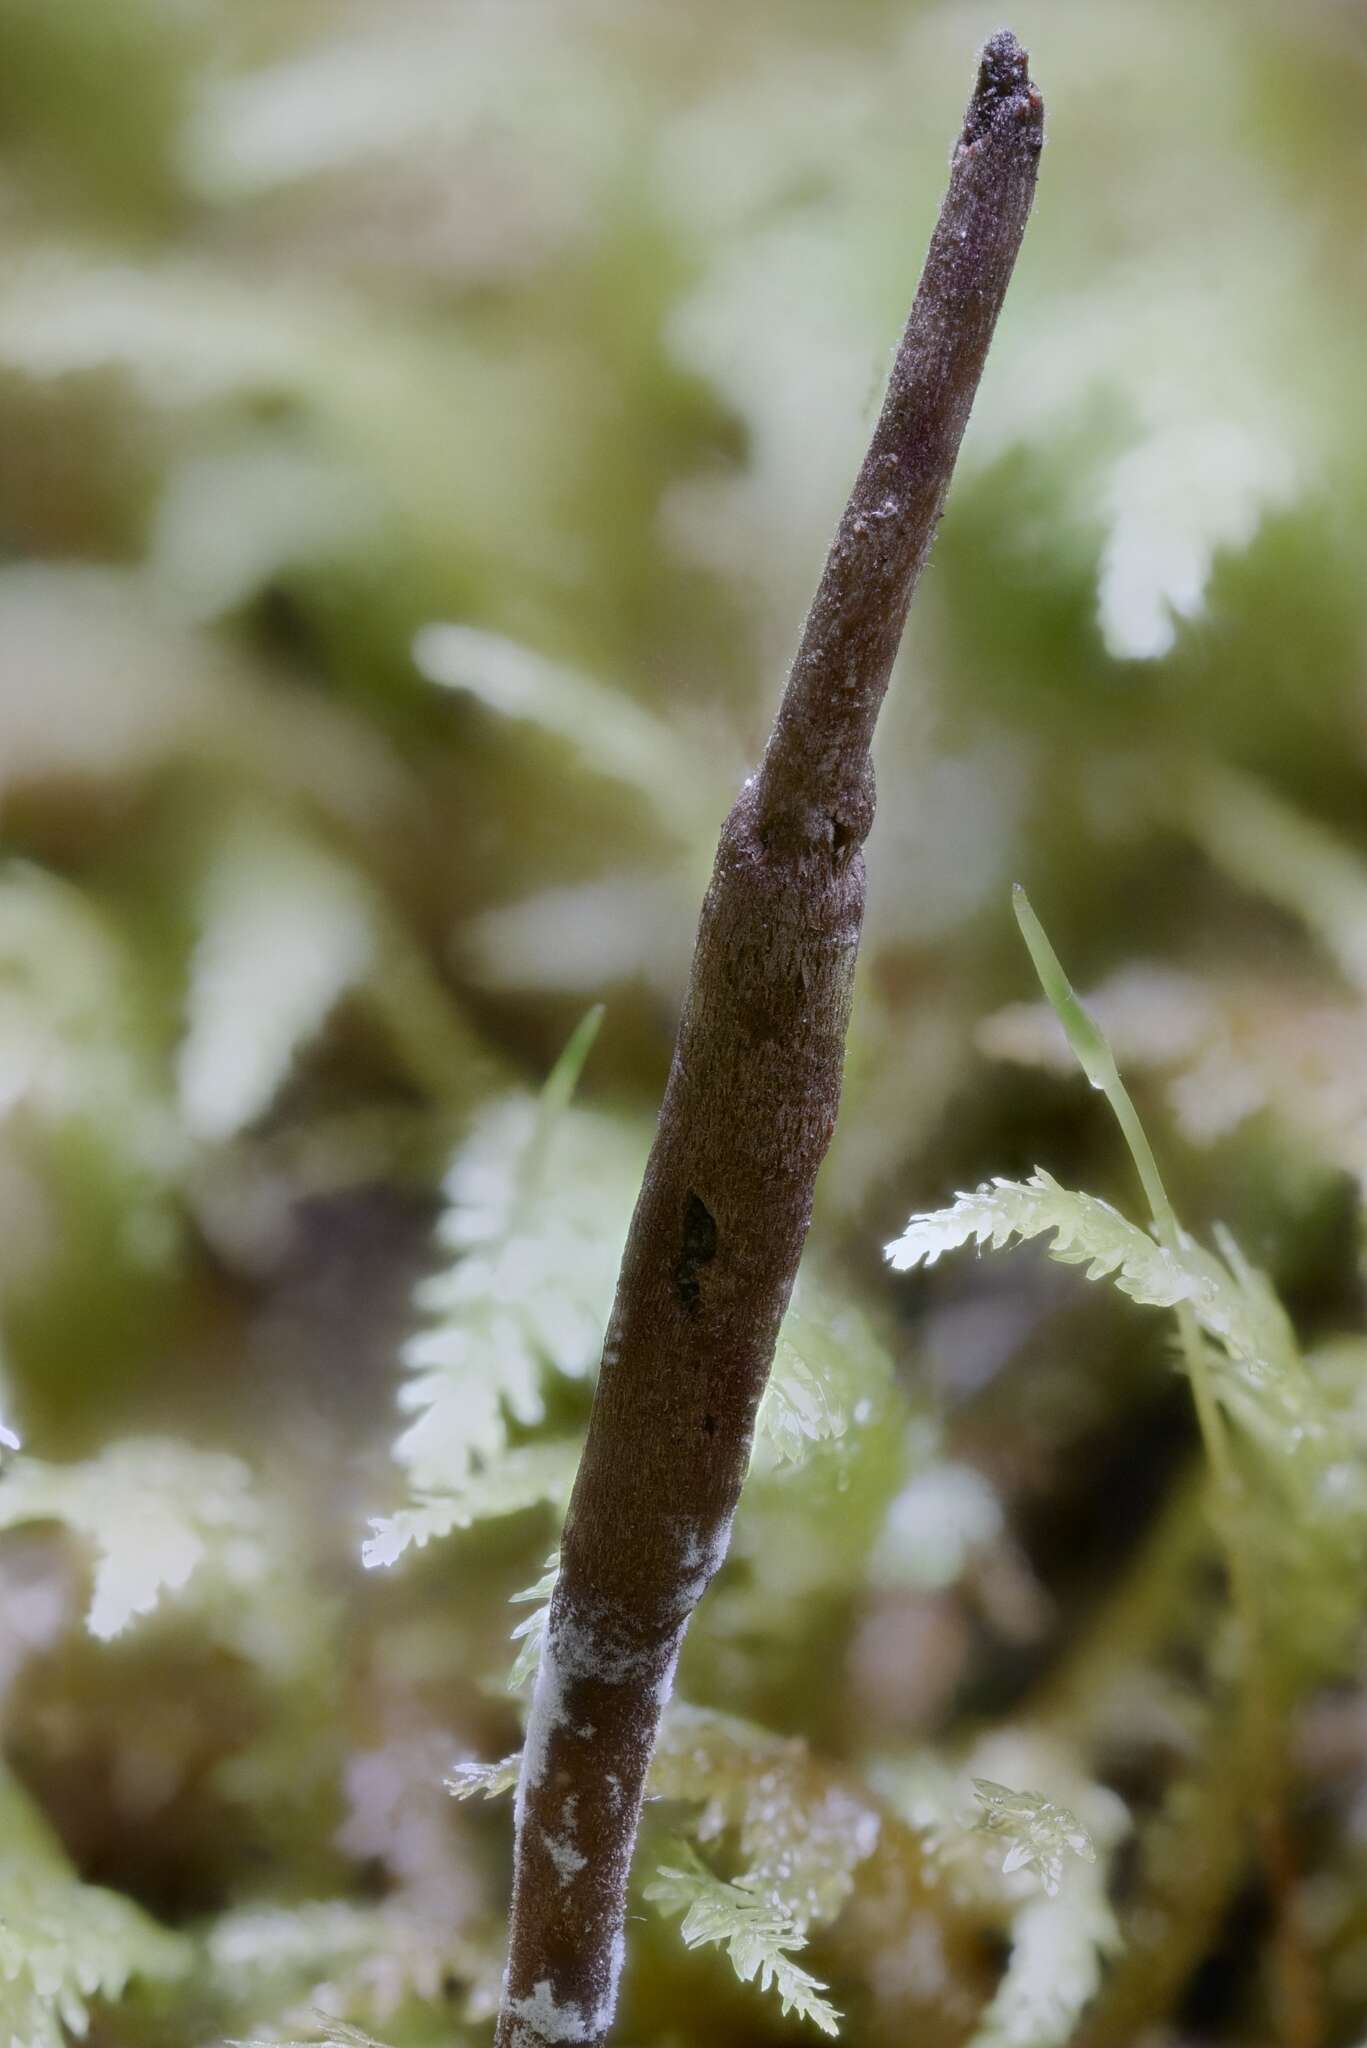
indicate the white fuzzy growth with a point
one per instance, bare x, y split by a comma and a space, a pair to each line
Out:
573, 1652
702, 1557
664, 1684
568, 1860
570, 1652
547, 2020
547, 1713
607, 2004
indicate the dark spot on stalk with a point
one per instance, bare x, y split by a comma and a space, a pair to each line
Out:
699, 1249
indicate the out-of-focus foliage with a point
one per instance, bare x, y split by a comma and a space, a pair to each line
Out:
154, 1512
421, 427
64, 1943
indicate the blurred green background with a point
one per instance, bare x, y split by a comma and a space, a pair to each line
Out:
420, 429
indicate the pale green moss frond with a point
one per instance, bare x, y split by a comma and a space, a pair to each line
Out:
1040, 1833
356, 1957
154, 1511
802, 1834
799, 1407
1232, 1302
75, 1052
1059, 1948
1296, 1523
1281, 854
757, 1937
531, 1633
527, 1476
1086, 1232
830, 1380
611, 734
1049, 1890
286, 928
830, 1453
330, 2034
470, 1780
64, 1944
539, 1198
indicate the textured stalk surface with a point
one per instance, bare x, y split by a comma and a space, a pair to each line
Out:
747, 1116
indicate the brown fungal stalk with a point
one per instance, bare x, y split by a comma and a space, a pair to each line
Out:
748, 1112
